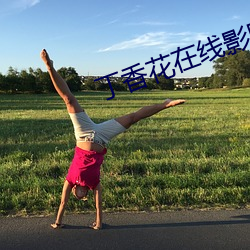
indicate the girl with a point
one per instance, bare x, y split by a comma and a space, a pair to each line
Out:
91, 142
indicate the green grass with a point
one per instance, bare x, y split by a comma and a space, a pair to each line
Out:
193, 156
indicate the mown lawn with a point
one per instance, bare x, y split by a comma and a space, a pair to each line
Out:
196, 155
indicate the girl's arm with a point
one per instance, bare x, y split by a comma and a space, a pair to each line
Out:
98, 204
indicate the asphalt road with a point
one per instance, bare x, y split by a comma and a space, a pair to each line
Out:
197, 230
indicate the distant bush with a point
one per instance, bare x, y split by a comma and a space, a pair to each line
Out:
246, 82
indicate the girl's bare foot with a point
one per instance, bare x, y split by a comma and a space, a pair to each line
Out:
45, 57
56, 225
171, 103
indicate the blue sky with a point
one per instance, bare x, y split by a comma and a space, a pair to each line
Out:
99, 37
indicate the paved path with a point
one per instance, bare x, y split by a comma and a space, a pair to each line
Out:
132, 231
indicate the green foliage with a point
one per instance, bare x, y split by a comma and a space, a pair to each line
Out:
89, 84
3, 85
36, 81
194, 155
205, 82
246, 82
231, 70
71, 77
43, 82
151, 83
117, 85
12, 80
27, 81
165, 84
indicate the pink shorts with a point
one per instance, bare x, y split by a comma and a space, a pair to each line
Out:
85, 168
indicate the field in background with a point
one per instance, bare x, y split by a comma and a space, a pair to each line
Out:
196, 155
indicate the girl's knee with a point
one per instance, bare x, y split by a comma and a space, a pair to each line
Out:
127, 120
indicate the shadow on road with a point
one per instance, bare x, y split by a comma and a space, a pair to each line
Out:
244, 219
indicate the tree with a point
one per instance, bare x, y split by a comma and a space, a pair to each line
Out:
166, 84
203, 82
27, 81
210, 80
117, 84
43, 82
231, 70
102, 84
193, 83
12, 80
89, 83
3, 85
218, 81
151, 83
71, 77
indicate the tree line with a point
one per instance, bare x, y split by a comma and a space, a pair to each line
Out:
231, 70
36, 81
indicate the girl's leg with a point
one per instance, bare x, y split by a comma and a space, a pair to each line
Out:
147, 111
60, 85
64, 200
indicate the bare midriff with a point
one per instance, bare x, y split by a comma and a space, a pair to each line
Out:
90, 146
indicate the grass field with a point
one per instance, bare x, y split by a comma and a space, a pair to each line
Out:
196, 155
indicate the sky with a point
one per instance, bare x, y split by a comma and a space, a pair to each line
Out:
99, 37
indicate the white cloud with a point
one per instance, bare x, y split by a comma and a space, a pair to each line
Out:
235, 17
151, 23
163, 40
8, 7
112, 22
24, 4
186, 33
171, 45
201, 36
131, 11
148, 39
